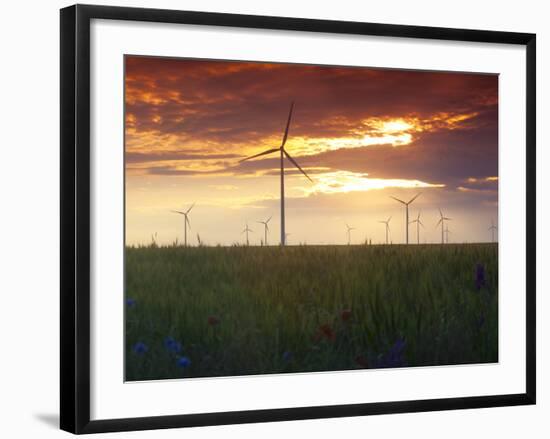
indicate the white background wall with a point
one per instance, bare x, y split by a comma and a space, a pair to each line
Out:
29, 206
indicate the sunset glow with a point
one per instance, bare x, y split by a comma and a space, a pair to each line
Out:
362, 134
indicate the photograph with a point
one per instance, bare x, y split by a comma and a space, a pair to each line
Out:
299, 218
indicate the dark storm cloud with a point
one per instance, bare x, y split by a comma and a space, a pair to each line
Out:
245, 102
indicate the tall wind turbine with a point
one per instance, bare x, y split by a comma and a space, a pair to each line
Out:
493, 229
441, 221
406, 203
418, 224
186, 222
283, 153
246, 230
266, 228
349, 232
387, 223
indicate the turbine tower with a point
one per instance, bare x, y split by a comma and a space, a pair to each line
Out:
406, 203
283, 152
186, 222
441, 221
349, 232
418, 224
447, 232
387, 223
246, 230
266, 228
493, 229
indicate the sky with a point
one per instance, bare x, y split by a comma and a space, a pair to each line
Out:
363, 135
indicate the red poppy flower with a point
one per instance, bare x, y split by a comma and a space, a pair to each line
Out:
327, 332
346, 315
213, 320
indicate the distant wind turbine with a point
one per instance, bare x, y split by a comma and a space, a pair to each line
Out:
493, 229
418, 224
349, 232
447, 232
441, 221
266, 228
186, 222
387, 223
247, 230
283, 152
406, 203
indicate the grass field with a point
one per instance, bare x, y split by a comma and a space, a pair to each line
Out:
220, 311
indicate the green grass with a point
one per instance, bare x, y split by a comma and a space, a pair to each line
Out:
272, 300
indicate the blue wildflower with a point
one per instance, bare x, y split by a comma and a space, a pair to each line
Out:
480, 276
140, 348
130, 303
394, 356
172, 345
287, 356
183, 362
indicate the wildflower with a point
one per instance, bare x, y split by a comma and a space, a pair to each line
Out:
327, 332
394, 356
140, 348
172, 345
213, 320
361, 360
345, 315
480, 276
287, 356
130, 303
183, 362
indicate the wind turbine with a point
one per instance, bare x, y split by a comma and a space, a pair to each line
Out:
283, 153
493, 228
266, 228
406, 203
441, 221
187, 222
387, 223
447, 232
349, 232
418, 224
246, 230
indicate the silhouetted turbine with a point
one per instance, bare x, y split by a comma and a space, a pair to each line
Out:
283, 153
266, 228
406, 203
441, 221
418, 224
387, 223
186, 222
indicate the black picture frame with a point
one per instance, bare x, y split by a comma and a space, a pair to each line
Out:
75, 217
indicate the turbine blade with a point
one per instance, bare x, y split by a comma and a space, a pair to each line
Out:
287, 124
297, 165
397, 199
414, 198
189, 210
440, 213
177, 211
188, 222
269, 151
389, 219
439, 222
269, 219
